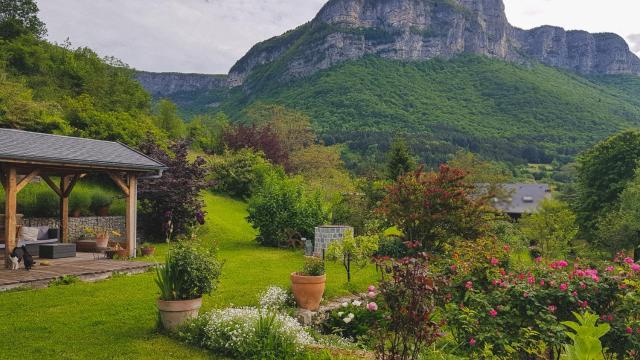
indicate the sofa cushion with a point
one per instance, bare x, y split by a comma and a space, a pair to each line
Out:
28, 233
53, 233
43, 232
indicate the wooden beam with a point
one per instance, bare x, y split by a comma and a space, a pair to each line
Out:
10, 195
69, 188
27, 179
52, 185
121, 184
131, 214
64, 210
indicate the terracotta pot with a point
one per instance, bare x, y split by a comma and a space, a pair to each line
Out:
102, 240
175, 313
308, 290
103, 211
122, 253
148, 251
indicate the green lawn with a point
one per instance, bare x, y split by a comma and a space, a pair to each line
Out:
115, 319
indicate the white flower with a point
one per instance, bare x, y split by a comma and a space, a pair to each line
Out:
274, 298
351, 315
345, 304
340, 313
356, 303
347, 320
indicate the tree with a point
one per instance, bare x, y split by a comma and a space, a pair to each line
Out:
261, 139
433, 208
602, 174
172, 202
205, 132
399, 159
353, 250
552, 228
167, 119
282, 210
293, 128
240, 173
620, 229
481, 172
18, 17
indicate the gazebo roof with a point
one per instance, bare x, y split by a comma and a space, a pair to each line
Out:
26, 147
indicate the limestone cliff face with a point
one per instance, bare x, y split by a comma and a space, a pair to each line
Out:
165, 84
424, 29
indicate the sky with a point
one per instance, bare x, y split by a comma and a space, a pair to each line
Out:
209, 36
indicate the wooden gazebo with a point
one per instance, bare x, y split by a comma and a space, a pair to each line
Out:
26, 155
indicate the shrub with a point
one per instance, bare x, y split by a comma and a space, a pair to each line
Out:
586, 339
80, 200
274, 298
263, 138
239, 173
354, 319
433, 208
282, 209
100, 200
176, 193
187, 274
552, 228
248, 333
313, 266
353, 250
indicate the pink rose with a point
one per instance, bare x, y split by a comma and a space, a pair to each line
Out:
541, 282
564, 286
371, 288
562, 263
628, 260
371, 294
468, 285
372, 306
494, 261
610, 268
635, 267
525, 295
531, 280
574, 294
552, 308
538, 259
629, 330
506, 248
472, 342
493, 313
453, 268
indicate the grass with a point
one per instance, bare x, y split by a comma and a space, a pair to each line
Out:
116, 318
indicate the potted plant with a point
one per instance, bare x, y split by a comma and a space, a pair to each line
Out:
185, 277
148, 249
101, 235
120, 251
79, 202
100, 203
308, 285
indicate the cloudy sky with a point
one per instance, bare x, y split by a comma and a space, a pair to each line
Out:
208, 36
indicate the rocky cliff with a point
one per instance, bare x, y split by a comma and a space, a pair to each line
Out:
424, 29
165, 84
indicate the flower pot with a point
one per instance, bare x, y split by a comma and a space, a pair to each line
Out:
122, 253
308, 290
102, 211
102, 241
148, 251
175, 313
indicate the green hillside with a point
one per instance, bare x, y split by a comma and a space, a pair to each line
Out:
508, 112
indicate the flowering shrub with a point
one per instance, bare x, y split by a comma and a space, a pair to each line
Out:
353, 320
248, 333
520, 312
274, 298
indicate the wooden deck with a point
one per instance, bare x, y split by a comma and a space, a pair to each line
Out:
85, 266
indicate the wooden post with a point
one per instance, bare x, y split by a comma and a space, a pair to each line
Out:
64, 209
10, 192
131, 214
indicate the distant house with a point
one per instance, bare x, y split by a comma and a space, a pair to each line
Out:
521, 199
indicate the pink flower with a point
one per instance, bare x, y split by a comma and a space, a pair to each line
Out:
574, 294
506, 248
453, 268
635, 267
531, 280
494, 261
564, 286
628, 260
610, 268
472, 342
552, 308
609, 317
583, 285
371, 288
562, 263
468, 285
525, 295
538, 259
541, 282
493, 313
583, 304
371, 294
629, 330
372, 306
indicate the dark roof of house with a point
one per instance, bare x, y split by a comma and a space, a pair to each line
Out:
18, 145
522, 198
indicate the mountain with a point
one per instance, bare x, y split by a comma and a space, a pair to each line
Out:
450, 74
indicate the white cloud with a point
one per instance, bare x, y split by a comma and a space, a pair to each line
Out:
208, 36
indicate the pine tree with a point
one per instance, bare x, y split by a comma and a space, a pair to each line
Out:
400, 160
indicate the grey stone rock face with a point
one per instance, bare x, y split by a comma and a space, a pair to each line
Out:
424, 29
163, 84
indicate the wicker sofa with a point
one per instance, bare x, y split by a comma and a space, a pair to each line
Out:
46, 235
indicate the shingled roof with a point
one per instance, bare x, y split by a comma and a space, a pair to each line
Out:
25, 146
522, 198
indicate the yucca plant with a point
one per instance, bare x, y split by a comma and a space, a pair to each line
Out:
168, 280
586, 339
